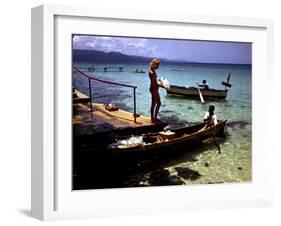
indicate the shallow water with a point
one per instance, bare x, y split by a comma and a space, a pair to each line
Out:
234, 164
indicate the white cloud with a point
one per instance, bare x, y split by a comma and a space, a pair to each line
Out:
201, 51
129, 46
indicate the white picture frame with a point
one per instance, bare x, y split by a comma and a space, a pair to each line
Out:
52, 197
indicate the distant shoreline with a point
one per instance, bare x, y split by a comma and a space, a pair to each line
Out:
182, 63
90, 56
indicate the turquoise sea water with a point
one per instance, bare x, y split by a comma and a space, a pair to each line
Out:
234, 164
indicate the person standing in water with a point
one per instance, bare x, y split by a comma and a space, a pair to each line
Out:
154, 87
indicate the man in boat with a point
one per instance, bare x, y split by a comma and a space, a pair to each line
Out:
210, 117
154, 87
204, 85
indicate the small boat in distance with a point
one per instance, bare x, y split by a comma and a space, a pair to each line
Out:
170, 141
139, 71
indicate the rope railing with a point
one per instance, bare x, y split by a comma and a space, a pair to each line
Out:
108, 82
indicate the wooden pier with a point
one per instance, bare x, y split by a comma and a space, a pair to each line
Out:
100, 120
104, 69
78, 97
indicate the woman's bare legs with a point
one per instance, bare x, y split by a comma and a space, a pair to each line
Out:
158, 104
155, 105
152, 109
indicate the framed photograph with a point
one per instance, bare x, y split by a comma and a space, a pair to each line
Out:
138, 112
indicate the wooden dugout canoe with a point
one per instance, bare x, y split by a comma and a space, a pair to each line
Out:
192, 92
183, 138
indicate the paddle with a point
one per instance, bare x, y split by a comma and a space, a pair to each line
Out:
214, 133
201, 96
215, 142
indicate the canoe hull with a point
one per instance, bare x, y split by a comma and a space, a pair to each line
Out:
192, 92
181, 144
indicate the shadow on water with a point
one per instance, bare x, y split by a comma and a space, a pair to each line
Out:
93, 170
240, 124
187, 173
162, 177
173, 120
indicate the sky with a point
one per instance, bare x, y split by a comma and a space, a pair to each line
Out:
182, 50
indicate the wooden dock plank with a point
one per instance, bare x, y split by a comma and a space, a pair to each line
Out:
99, 120
80, 97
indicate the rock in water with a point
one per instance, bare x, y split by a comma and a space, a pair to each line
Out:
174, 180
187, 173
162, 177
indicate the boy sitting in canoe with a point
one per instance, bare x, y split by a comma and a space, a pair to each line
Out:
210, 117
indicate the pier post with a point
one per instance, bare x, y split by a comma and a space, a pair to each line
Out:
135, 111
90, 94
